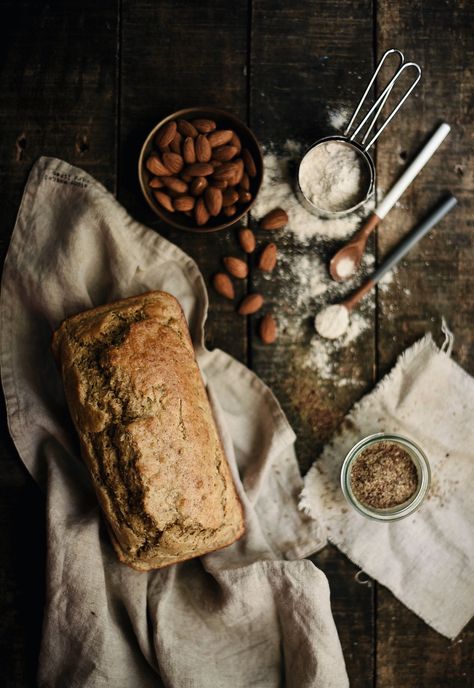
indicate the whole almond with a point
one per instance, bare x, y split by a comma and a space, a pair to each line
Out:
237, 267
199, 169
175, 145
156, 167
247, 240
220, 138
226, 171
239, 172
224, 153
229, 210
184, 203
164, 200
229, 197
166, 134
175, 184
268, 258
185, 128
155, 183
245, 182
173, 162
275, 219
201, 214
198, 185
204, 126
189, 152
213, 198
268, 329
251, 304
244, 196
249, 163
235, 141
203, 149
220, 183
223, 285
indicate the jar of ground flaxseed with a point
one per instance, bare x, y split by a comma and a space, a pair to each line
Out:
385, 477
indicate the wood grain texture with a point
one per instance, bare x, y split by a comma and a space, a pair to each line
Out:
436, 279
162, 72
58, 85
307, 59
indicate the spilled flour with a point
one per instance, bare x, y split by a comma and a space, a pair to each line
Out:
278, 190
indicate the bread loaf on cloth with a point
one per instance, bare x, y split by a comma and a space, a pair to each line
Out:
146, 430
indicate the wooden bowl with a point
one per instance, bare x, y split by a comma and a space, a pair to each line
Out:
224, 120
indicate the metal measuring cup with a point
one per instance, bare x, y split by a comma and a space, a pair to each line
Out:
361, 148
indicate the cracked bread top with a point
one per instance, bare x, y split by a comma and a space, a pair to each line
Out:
147, 432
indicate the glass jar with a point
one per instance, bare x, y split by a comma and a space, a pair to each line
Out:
399, 511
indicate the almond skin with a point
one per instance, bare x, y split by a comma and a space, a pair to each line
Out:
156, 167
247, 240
268, 258
268, 329
251, 304
229, 197
237, 267
185, 128
249, 163
220, 183
173, 162
203, 149
223, 285
175, 184
164, 200
220, 138
204, 126
201, 214
175, 145
275, 219
239, 172
189, 151
198, 185
199, 169
224, 153
226, 171
213, 198
184, 203
155, 183
166, 134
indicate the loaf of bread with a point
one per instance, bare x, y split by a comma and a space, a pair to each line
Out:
147, 432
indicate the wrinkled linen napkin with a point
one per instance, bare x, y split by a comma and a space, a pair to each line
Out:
243, 616
426, 559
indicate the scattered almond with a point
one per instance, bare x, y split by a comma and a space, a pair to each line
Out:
166, 134
204, 126
275, 219
247, 240
237, 267
164, 200
201, 214
213, 198
223, 285
220, 138
184, 203
268, 329
185, 128
251, 304
189, 152
198, 185
203, 149
173, 162
268, 258
156, 167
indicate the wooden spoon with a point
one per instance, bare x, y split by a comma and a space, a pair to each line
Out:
347, 260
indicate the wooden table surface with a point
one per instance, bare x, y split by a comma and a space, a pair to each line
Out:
85, 81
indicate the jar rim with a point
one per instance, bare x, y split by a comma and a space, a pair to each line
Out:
399, 511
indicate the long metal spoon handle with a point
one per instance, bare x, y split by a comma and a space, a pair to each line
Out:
402, 249
412, 170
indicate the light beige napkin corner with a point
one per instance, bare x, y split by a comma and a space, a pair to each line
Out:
243, 616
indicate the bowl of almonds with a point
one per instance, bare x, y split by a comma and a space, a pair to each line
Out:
200, 169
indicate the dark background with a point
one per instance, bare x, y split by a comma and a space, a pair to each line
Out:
85, 81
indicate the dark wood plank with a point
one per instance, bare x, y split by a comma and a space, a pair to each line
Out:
58, 98
436, 278
194, 56
308, 58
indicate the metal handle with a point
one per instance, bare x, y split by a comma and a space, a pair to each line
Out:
377, 107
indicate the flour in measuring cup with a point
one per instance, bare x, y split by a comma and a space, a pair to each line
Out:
331, 176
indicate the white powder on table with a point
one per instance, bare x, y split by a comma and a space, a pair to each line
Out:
332, 321
278, 191
331, 177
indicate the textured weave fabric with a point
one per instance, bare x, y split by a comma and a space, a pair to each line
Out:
243, 616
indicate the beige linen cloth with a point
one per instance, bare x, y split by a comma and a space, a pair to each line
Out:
426, 559
243, 616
